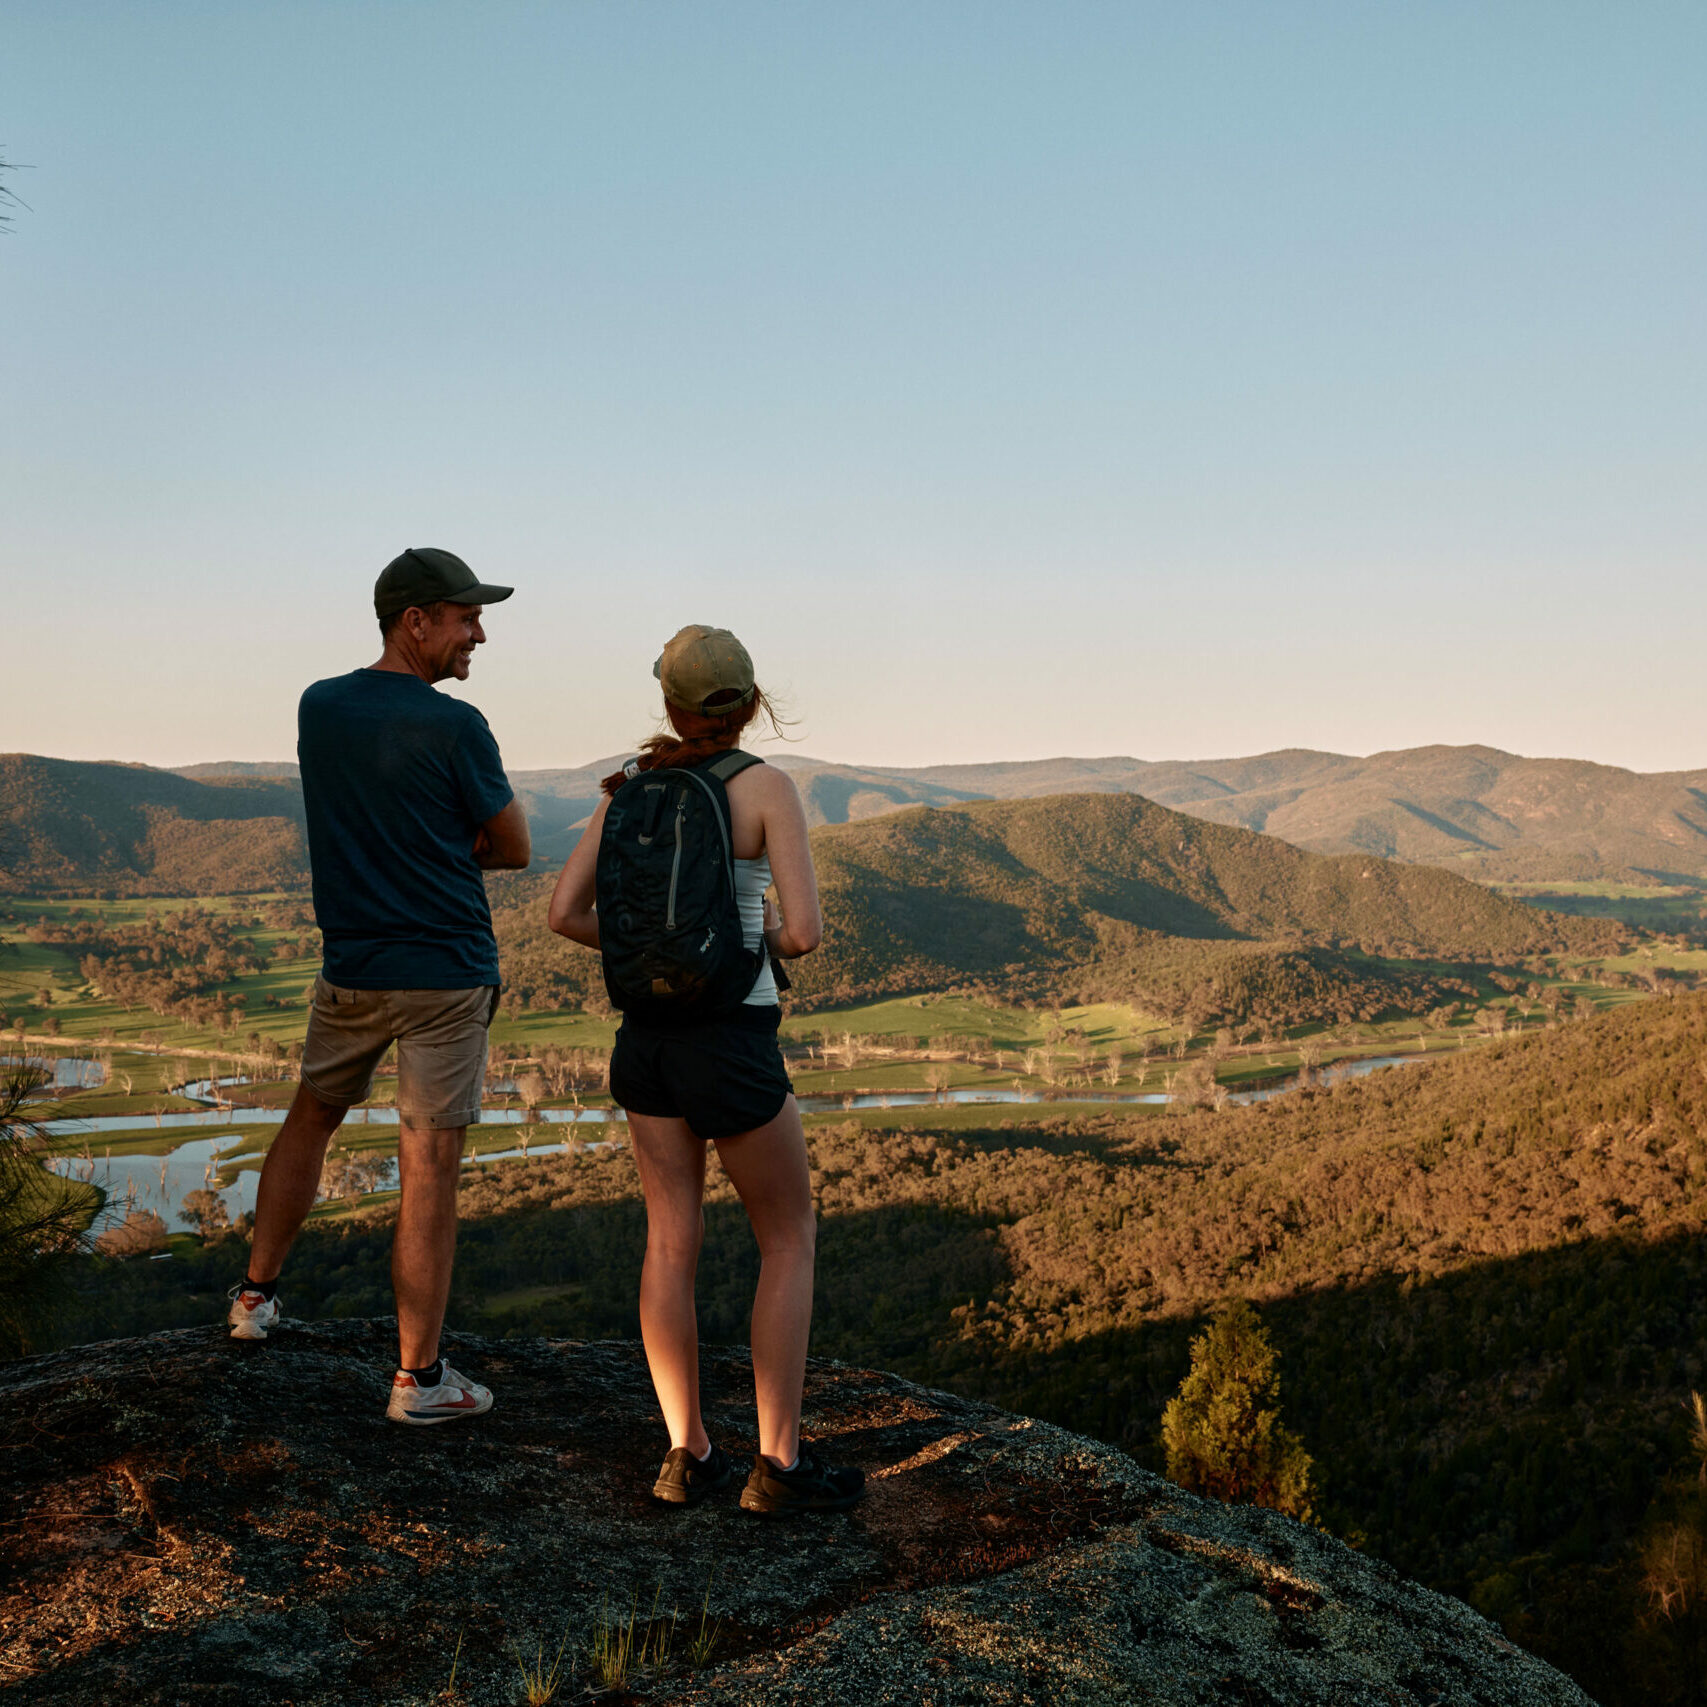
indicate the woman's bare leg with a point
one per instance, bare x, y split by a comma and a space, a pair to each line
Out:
768, 1168
672, 1175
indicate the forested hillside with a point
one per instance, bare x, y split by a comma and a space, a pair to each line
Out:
1081, 890
72, 827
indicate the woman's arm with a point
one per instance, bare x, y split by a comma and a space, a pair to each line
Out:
571, 913
802, 925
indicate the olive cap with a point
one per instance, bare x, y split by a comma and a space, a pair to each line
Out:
703, 664
423, 575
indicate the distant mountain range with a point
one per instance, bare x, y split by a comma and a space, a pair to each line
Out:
559, 802
1483, 813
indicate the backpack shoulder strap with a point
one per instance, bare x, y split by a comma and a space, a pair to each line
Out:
732, 764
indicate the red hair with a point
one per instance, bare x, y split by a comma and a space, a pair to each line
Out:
697, 737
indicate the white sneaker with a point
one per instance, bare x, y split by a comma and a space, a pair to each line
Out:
250, 1314
455, 1396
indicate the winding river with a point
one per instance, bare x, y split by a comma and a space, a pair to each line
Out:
161, 1182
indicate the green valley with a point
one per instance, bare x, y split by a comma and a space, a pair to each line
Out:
1480, 1267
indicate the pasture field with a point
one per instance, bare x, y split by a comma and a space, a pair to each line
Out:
920, 1018
912, 1044
1664, 907
29, 971
1640, 960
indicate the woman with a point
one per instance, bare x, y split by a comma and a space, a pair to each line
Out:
722, 1081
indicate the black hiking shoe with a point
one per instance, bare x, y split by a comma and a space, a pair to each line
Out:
686, 1480
809, 1486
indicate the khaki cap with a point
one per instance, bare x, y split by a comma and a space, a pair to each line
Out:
701, 664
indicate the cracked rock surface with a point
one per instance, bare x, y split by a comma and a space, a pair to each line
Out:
188, 1519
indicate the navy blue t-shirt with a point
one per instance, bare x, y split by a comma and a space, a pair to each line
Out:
396, 779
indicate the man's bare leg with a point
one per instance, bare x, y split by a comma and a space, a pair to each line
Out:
429, 1166
290, 1178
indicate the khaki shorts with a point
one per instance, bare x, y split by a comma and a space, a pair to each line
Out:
441, 1048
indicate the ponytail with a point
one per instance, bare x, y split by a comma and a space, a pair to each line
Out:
695, 738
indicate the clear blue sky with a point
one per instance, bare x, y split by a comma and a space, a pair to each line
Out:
1177, 380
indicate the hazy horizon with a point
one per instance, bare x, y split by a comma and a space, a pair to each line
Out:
794, 750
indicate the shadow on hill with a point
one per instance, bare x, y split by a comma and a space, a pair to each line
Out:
1454, 833
1150, 907
890, 1276
1497, 1432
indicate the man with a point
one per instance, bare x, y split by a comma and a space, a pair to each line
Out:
406, 801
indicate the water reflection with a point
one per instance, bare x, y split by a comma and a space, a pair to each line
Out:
160, 1183
62, 1072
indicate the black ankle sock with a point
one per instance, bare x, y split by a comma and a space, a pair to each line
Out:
266, 1288
429, 1376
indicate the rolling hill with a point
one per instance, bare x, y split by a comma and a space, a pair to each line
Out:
559, 802
1090, 889
1108, 897
71, 826
67, 825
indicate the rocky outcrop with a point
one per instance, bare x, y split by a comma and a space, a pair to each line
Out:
191, 1520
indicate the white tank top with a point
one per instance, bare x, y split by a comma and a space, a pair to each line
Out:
752, 879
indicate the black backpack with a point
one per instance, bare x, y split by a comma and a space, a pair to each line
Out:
669, 925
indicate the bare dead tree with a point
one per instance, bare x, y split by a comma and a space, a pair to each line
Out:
8, 199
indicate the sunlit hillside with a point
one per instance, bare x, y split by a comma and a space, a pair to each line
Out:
72, 827
1081, 887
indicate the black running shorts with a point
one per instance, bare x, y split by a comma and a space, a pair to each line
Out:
722, 1078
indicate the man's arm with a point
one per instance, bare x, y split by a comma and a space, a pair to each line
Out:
503, 843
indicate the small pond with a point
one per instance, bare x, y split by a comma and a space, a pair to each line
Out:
64, 1072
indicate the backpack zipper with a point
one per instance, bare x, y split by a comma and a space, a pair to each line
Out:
717, 812
675, 872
